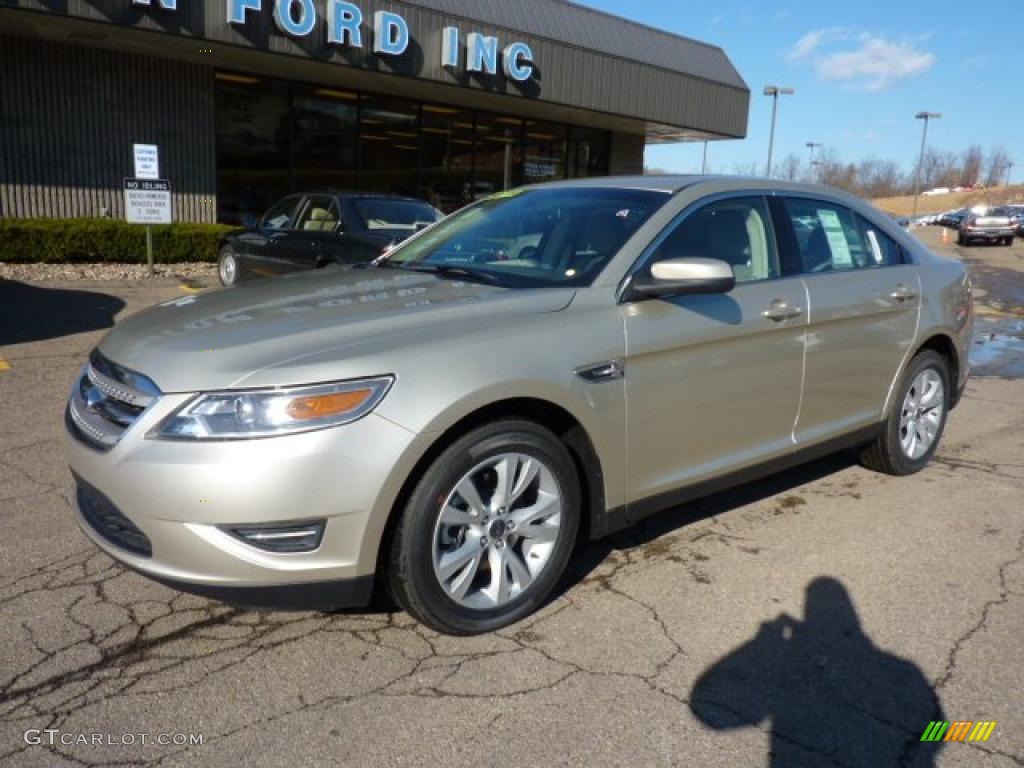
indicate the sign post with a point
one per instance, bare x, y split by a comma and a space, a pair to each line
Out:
148, 202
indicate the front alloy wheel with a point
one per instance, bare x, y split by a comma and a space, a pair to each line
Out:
497, 530
488, 529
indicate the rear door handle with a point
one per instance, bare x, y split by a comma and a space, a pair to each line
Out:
780, 310
902, 293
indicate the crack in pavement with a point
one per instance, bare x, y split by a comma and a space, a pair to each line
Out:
1004, 597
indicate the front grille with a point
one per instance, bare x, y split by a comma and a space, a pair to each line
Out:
106, 400
108, 521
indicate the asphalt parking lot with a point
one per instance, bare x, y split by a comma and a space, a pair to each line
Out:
821, 618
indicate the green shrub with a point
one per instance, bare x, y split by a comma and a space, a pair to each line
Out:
81, 241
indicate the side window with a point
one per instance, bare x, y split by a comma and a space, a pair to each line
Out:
736, 230
319, 215
883, 251
280, 214
828, 236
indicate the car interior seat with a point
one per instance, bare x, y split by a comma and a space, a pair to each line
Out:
729, 240
817, 255
320, 219
601, 236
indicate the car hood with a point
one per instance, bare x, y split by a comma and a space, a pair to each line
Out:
222, 339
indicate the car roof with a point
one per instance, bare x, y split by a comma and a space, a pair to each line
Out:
677, 183
360, 195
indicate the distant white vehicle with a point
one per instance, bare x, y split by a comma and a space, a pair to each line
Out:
936, 191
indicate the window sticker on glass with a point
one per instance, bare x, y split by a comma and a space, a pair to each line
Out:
876, 249
841, 256
623, 214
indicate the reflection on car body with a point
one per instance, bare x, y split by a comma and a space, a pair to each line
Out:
315, 230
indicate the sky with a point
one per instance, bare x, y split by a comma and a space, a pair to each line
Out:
861, 69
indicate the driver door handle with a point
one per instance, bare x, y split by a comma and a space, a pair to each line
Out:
781, 310
902, 294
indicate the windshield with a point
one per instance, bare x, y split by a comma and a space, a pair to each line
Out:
405, 215
560, 236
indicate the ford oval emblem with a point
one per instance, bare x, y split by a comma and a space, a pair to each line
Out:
93, 398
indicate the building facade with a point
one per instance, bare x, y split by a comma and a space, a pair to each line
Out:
247, 100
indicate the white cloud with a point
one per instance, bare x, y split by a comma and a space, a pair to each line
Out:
809, 44
867, 61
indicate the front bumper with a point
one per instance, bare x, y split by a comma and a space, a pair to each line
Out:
178, 494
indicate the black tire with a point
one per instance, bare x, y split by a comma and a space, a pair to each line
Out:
410, 569
960, 239
1007, 241
228, 278
886, 453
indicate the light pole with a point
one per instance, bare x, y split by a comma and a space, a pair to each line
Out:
704, 162
774, 91
926, 116
1009, 170
813, 145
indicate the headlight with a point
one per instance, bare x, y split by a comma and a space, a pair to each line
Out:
272, 412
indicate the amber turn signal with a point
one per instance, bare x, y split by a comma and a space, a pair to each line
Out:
322, 406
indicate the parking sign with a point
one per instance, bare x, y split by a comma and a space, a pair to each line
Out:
147, 161
147, 201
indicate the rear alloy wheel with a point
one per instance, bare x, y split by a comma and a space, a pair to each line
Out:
227, 267
488, 531
914, 428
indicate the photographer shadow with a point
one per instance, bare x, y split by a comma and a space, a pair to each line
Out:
36, 313
830, 695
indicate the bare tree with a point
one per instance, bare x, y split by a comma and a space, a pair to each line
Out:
970, 166
752, 168
790, 167
996, 167
940, 169
879, 178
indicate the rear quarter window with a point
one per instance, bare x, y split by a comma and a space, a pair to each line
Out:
883, 251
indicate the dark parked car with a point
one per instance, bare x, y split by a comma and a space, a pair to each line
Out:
1015, 213
310, 231
953, 219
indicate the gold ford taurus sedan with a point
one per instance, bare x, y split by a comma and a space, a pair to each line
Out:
551, 363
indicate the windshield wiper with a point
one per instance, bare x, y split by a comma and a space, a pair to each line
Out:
448, 270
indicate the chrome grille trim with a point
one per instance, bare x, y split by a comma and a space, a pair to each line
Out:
101, 435
116, 391
106, 400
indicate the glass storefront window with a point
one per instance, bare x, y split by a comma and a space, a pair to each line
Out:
544, 149
324, 124
499, 154
446, 157
252, 145
589, 152
389, 144
275, 137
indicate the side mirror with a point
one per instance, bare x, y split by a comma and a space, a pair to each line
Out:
678, 277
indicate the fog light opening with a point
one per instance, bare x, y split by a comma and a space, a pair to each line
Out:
304, 536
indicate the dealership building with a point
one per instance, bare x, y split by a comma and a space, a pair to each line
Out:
247, 100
